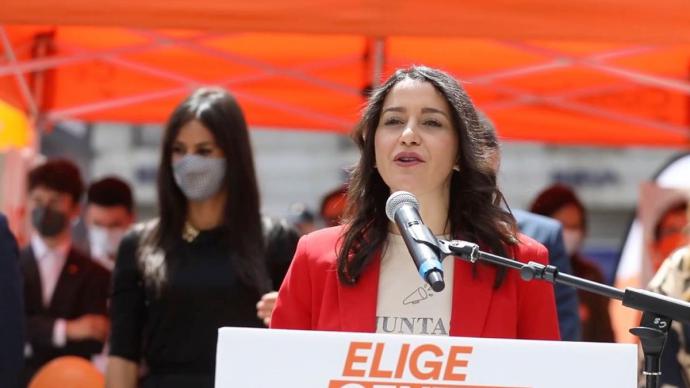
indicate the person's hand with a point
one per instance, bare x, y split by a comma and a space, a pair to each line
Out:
264, 308
89, 326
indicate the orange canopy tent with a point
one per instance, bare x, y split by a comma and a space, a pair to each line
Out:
579, 72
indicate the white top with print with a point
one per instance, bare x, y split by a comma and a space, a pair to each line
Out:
406, 304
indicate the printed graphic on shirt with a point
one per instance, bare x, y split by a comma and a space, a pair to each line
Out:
403, 325
406, 304
420, 294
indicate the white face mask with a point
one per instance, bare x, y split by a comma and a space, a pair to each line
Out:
572, 239
199, 177
104, 242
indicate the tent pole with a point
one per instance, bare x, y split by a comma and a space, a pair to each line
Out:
21, 81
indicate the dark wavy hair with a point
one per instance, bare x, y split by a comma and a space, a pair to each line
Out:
474, 211
220, 113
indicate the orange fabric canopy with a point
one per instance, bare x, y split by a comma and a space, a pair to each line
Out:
661, 21
579, 72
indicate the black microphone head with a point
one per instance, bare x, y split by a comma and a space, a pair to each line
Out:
398, 199
435, 280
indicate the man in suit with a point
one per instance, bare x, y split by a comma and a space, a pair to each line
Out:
109, 214
549, 233
65, 291
11, 309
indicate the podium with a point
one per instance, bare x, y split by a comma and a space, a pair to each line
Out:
262, 358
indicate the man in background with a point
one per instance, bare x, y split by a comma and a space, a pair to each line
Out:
109, 214
65, 292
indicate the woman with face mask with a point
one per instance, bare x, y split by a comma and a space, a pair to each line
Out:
199, 266
561, 203
418, 134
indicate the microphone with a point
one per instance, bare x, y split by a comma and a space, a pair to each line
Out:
402, 208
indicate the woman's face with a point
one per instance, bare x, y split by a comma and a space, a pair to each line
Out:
415, 143
198, 165
195, 138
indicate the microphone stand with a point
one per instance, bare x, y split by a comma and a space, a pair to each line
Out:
658, 311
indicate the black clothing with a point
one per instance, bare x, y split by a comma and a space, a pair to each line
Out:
281, 242
11, 309
173, 326
178, 381
82, 288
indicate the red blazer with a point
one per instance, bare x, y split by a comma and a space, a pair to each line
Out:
312, 298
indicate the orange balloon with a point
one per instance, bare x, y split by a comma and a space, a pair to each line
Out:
68, 372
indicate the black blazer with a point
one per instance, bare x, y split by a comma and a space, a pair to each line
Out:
11, 305
82, 288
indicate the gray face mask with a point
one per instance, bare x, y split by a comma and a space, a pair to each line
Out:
199, 177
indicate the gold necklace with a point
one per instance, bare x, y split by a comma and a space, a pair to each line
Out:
189, 233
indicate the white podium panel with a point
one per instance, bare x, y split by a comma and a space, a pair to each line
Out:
262, 358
